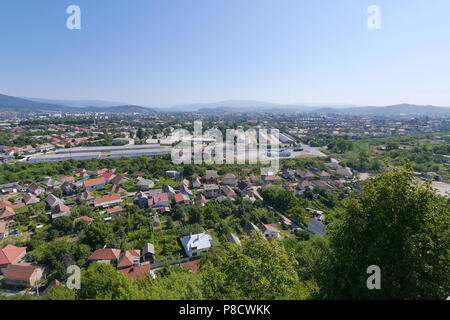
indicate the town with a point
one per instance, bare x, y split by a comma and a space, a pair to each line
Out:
77, 190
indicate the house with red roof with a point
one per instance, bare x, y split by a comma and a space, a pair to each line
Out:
181, 199
191, 266
11, 254
22, 275
115, 210
108, 200
136, 272
269, 230
7, 214
110, 256
60, 210
94, 184
36, 189
129, 258
107, 176
160, 200
3, 230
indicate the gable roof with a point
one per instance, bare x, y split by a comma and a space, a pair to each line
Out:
107, 198
192, 266
148, 248
136, 272
127, 259
105, 254
5, 203
7, 212
86, 195
60, 208
160, 197
94, 182
11, 253
249, 228
53, 200
20, 271
269, 227
114, 210
211, 174
178, 197
2, 227
316, 227
196, 241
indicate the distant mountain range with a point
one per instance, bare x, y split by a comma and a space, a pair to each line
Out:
78, 103
21, 105
33, 105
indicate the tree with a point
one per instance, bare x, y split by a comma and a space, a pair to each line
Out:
260, 269
140, 133
401, 227
98, 234
102, 282
61, 293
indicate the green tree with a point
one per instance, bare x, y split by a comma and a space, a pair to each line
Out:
98, 234
61, 293
102, 282
398, 225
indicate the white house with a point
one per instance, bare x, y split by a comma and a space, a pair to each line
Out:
269, 230
195, 244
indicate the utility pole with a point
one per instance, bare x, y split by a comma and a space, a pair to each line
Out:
37, 287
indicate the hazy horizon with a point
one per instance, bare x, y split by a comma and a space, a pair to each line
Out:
161, 54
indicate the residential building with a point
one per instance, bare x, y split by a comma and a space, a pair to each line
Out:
229, 179
22, 275
233, 238
60, 210
211, 190
10, 255
108, 200
110, 256
196, 244
269, 230
94, 184
148, 253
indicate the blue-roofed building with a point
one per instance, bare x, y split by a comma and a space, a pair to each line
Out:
315, 227
195, 244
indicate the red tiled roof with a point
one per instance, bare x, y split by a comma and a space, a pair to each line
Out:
107, 175
66, 179
60, 208
107, 198
20, 271
85, 218
2, 227
7, 212
127, 258
271, 227
136, 272
105, 254
94, 182
160, 197
18, 205
191, 265
114, 210
5, 203
178, 197
10, 254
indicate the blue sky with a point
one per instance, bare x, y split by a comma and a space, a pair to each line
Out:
165, 52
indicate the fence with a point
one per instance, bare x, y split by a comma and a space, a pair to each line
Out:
172, 262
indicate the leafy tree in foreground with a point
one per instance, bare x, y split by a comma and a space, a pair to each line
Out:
398, 225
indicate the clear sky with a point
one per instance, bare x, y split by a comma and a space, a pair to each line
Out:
165, 52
